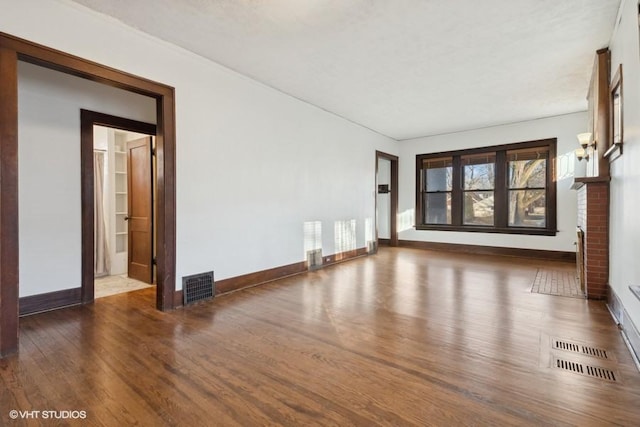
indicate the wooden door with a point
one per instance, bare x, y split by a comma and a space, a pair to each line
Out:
140, 207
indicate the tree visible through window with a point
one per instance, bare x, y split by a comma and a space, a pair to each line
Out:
527, 187
505, 189
479, 183
438, 186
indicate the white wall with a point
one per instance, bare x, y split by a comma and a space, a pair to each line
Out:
49, 170
384, 199
564, 128
253, 164
625, 173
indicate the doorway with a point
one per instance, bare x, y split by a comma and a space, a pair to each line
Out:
13, 49
124, 211
386, 199
118, 187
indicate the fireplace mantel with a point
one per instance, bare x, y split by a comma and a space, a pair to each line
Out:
582, 180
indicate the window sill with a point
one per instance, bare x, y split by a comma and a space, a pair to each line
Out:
510, 230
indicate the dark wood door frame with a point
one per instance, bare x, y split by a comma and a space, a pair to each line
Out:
87, 120
393, 217
12, 50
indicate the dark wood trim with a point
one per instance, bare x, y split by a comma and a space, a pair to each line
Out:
87, 120
600, 85
579, 181
488, 229
491, 148
344, 256
616, 82
501, 190
70, 64
394, 201
552, 187
419, 208
9, 243
259, 277
13, 48
501, 197
491, 250
178, 298
393, 217
456, 192
107, 120
166, 201
50, 301
588, 179
384, 242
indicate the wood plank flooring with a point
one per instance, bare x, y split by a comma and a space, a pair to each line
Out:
405, 337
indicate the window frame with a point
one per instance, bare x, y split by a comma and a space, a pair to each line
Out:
501, 190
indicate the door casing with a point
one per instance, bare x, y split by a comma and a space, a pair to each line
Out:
89, 119
393, 216
13, 49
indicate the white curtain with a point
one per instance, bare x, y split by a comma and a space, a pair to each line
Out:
101, 264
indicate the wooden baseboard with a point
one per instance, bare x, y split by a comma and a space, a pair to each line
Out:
178, 299
384, 242
259, 277
343, 256
50, 301
491, 250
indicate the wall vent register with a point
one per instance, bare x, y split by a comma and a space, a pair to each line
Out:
198, 287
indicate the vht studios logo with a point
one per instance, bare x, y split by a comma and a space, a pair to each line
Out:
48, 415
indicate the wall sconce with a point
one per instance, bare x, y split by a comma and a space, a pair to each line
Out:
581, 153
585, 140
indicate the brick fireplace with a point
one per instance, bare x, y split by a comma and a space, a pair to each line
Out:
593, 220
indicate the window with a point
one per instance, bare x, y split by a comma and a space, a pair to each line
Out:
501, 189
478, 189
437, 198
527, 187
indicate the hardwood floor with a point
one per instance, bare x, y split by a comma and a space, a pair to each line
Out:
405, 337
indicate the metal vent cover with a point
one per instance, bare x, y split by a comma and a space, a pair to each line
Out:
197, 287
314, 259
587, 370
601, 353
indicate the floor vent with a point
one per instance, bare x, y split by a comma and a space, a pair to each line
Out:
595, 352
563, 345
587, 370
198, 287
580, 348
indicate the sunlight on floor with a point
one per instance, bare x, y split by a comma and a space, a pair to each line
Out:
112, 285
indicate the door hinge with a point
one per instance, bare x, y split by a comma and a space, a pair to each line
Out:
153, 151
154, 261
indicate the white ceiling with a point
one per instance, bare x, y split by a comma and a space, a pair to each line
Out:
404, 68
